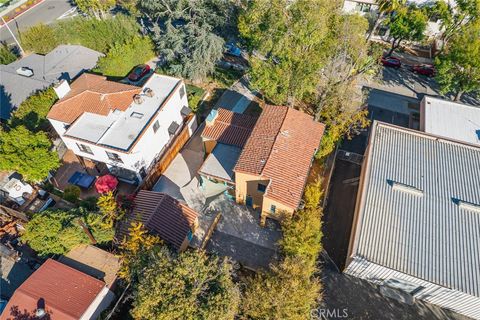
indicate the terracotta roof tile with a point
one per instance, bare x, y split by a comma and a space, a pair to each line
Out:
66, 292
229, 128
95, 94
281, 148
162, 215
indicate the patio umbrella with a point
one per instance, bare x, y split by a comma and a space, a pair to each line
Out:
106, 183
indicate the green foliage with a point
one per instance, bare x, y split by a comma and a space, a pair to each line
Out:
32, 113
189, 42
189, 286
129, 5
56, 232
108, 207
122, 57
95, 8
89, 204
39, 39
408, 23
6, 55
27, 153
71, 193
288, 292
458, 68
194, 94
225, 78
293, 38
313, 194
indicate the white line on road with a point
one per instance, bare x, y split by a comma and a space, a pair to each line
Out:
71, 11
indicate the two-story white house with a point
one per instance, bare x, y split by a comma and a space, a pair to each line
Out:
122, 126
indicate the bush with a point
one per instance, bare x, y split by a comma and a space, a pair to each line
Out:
194, 95
40, 39
313, 194
6, 55
71, 194
32, 113
122, 57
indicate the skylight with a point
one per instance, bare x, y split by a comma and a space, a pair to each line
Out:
398, 186
137, 115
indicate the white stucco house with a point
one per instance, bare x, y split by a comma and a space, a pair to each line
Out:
122, 126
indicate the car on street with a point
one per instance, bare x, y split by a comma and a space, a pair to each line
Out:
392, 62
139, 72
424, 69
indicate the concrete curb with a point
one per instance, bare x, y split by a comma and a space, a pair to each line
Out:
18, 4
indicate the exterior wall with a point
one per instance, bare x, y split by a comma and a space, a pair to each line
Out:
209, 145
422, 115
281, 210
246, 185
350, 6
101, 302
444, 297
147, 146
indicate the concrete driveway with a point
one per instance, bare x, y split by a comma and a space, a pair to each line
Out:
238, 97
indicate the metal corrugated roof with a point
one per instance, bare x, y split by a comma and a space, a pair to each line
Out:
425, 234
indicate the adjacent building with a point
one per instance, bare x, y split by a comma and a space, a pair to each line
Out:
120, 126
58, 292
22, 78
416, 225
162, 215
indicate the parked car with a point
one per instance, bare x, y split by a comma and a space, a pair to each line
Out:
233, 50
424, 69
392, 62
139, 72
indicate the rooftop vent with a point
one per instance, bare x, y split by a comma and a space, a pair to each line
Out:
149, 92
466, 205
137, 99
405, 188
137, 115
24, 71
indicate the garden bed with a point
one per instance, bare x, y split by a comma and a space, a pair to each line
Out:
20, 9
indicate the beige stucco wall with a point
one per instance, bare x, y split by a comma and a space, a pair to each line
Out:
281, 210
247, 184
209, 145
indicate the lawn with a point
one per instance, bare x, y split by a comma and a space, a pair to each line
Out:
194, 95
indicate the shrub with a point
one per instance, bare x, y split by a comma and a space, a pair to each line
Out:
313, 194
6, 55
40, 39
71, 194
32, 113
122, 57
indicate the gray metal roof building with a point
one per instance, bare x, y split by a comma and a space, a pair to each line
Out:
63, 62
418, 217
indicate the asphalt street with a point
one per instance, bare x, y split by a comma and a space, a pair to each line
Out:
46, 12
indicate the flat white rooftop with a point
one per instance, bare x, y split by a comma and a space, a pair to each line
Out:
452, 120
120, 129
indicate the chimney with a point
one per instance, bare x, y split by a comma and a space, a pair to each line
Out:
61, 88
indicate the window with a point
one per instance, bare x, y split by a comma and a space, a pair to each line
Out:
84, 148
182, 92
363, 7
114, 157
273, 208
156, 125
261, 187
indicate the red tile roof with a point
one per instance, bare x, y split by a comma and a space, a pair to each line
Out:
281, 148
67, 293
95, 94
163, 215
229, 128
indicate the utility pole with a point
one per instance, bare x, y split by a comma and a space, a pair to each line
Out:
14, 38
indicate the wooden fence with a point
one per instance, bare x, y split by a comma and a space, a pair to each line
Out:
164, 161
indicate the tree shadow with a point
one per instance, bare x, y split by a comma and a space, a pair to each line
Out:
18, 314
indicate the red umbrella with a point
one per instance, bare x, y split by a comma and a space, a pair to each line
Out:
106, 183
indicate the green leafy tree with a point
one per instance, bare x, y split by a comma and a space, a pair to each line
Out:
71, 194
39, 39
189, 286
385, 8
290, 39
121, 58
129, 5
288, 292
95, 8
188, 40
109, 208
407, 24
6, 55
27, 153
32, 113
57, 232
458, 68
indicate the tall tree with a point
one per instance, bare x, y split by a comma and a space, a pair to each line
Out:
189, 286
458, 68
385, 8
95, 8
290, 40
32, 112
187, 34
407, 24
27, 153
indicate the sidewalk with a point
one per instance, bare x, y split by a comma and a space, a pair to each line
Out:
9, 12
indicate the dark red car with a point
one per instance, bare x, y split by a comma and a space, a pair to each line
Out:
139, 72
424, 69
391, 62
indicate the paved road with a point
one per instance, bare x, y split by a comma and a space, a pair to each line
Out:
46, 12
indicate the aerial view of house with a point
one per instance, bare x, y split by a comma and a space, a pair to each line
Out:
240, 160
